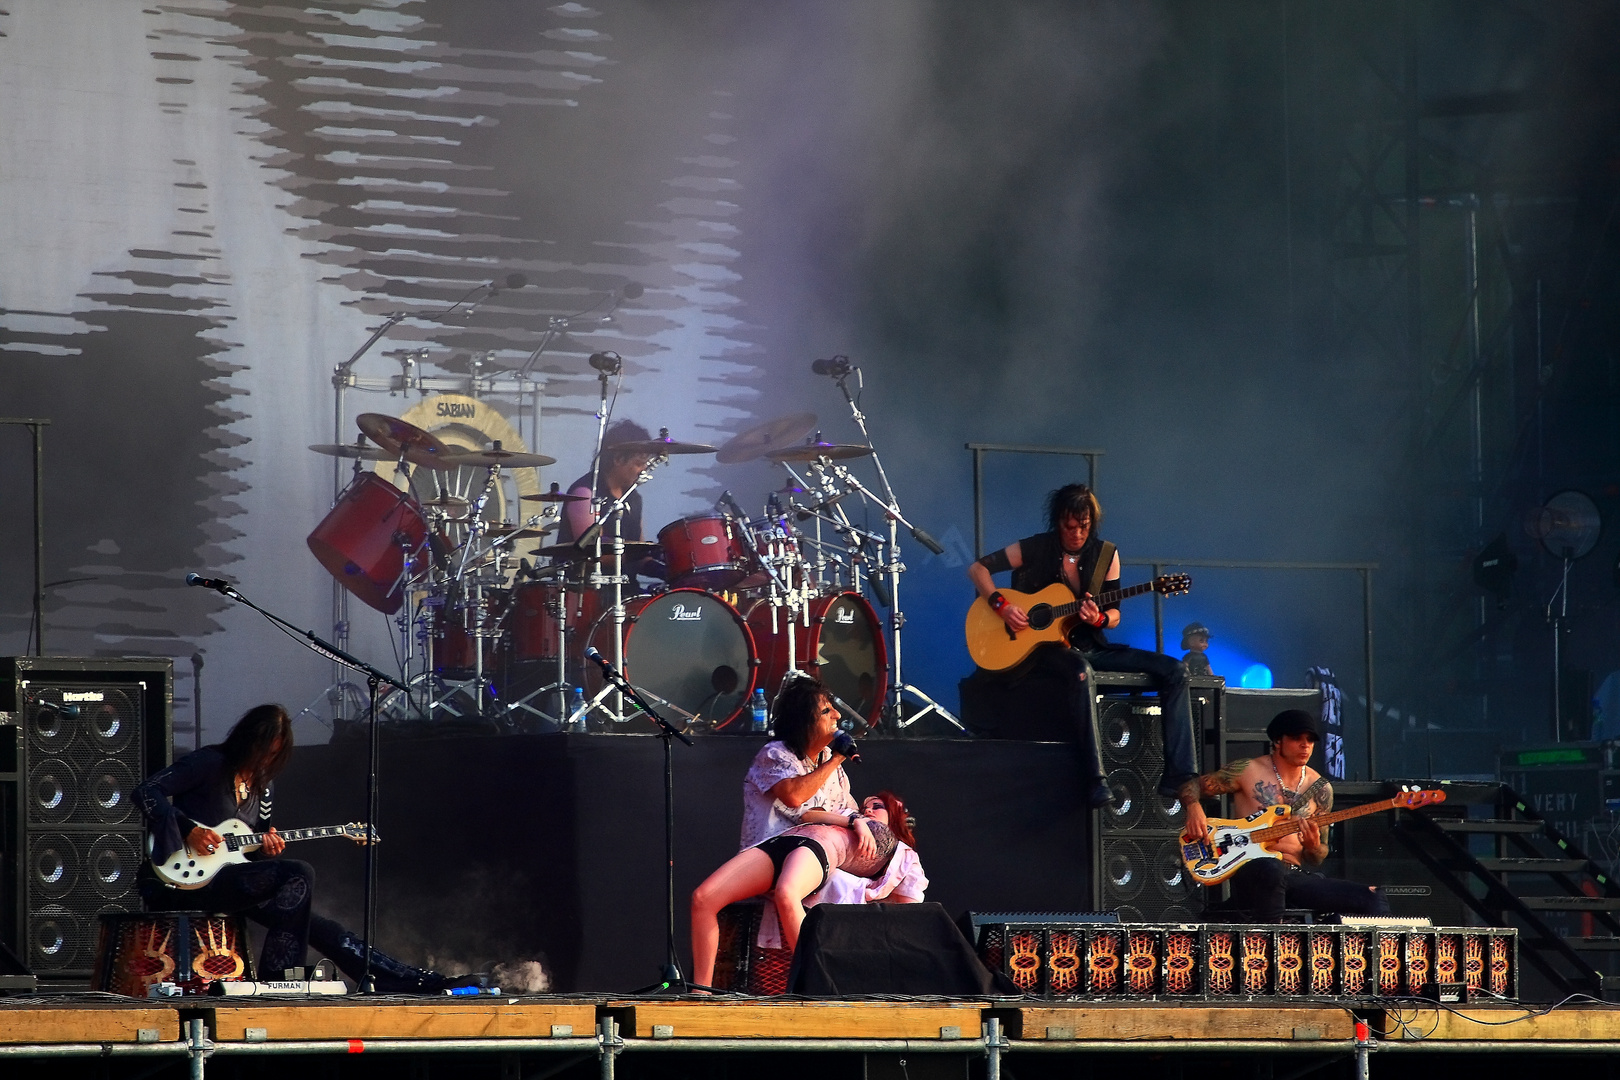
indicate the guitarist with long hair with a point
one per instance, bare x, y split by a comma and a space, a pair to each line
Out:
1071, 552
1264, 887
236, 780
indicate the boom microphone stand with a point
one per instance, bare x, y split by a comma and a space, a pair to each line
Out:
368, 984
670, 977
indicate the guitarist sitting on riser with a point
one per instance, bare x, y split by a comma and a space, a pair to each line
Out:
1264, 887
236, 779
1071, 553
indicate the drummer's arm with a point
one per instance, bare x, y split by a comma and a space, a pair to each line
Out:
581, 514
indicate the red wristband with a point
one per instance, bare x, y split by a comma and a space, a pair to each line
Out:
996, 601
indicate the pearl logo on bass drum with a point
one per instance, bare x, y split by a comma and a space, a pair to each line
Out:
682, 613
845, 616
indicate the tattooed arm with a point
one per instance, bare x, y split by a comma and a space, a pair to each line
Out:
1314, 838
1224, 781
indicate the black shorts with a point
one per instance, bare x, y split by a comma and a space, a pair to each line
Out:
777, 847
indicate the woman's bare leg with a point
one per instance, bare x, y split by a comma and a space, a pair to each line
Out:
748, 873
801, 875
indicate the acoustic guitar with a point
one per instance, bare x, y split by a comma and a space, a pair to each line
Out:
1052, 612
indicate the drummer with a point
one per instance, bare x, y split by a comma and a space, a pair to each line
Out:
624, 458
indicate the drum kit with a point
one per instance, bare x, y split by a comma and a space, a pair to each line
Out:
737, 600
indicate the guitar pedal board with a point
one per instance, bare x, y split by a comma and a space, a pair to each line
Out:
1207, 961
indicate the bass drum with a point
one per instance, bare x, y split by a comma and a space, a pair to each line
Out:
687, 646
843, 646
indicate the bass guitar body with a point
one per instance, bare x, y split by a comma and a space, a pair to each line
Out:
1231, 844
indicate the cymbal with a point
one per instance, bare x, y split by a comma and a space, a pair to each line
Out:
508, 459
659, 447
448, 502
506, 528
391, 433
816, 450
554, 496
633, 549
761, 439
353, 450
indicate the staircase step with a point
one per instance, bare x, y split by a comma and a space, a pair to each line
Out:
1486, 825
1534, 866
1571, 903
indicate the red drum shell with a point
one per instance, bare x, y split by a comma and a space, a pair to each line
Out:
453, 639
687, 646
359, 541
843, 646
533, 621
703, 552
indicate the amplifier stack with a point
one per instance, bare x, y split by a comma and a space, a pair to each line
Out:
1239, 962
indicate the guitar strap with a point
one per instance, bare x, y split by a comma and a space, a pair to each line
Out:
1309, 795
1099, 573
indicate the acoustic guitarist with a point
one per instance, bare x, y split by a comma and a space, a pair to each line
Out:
1264, 887
1070, 551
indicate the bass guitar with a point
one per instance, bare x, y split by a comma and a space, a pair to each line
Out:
1052, 613
1233, 843
187, 869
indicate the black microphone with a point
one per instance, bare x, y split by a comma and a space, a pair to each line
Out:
727, 500
844, 746
609, 362
837, 367
600, 661
928, 541
69, 711
218, 584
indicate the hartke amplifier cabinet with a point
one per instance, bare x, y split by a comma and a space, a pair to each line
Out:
76, 735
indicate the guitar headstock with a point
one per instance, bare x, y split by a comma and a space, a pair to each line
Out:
1172, 584
1412, 798
361, 833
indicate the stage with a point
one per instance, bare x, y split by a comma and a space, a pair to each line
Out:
574, 1036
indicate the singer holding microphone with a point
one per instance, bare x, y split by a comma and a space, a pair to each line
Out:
803, 834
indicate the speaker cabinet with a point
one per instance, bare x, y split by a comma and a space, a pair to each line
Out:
81, 734
1138, 870
1367, 850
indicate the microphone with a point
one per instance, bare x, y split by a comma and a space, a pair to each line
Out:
844, 746
608, 362
217, 584
837, 367
928, 541
608, 670
726, 500
69, 711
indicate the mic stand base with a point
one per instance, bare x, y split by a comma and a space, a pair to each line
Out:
894, 714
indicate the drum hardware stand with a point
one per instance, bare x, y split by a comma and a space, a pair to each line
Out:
618, 579
893, 567
670, 978
374, 677
781, 594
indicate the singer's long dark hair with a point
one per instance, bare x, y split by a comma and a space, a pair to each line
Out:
1072, 500
794, 711
260, 744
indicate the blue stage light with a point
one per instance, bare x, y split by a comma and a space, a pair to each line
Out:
1255, 677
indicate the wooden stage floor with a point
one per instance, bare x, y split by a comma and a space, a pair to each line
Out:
205, 1034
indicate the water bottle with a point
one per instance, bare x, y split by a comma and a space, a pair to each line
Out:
576, 717
762, 723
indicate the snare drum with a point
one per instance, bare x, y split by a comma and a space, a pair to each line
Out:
703, 552
843, 646
686, 646
363, 540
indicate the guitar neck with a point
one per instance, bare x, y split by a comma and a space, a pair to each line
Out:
1113, 596
1292, 825
242, 840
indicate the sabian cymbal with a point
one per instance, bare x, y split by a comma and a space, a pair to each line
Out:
554, 496
391, 433
506, 459
816, 450
761, 439
633, 549
659, 447
353, 450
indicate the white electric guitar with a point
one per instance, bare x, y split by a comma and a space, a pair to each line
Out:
188, 869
